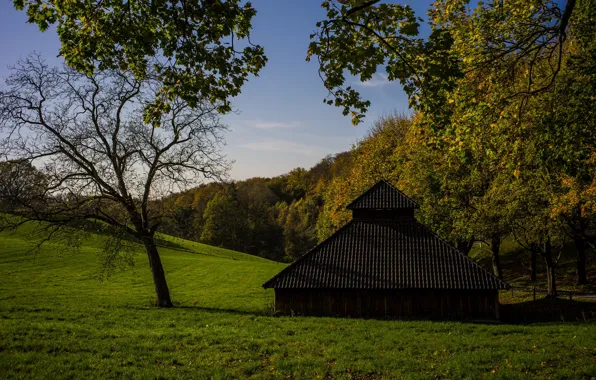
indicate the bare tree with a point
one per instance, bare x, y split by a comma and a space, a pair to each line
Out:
86, 136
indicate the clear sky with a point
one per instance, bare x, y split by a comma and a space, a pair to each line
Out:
282, 121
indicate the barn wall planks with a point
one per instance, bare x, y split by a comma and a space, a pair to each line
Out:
415, 303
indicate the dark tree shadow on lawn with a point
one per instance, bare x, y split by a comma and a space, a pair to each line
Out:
548, 310
540, 311
193, 308
220, 310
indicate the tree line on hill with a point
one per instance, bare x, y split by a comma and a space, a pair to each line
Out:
274, 218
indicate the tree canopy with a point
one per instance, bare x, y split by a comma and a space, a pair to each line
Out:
198, 50
491, 41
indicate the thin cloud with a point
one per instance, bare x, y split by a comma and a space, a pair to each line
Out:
274, 124
284, 146
377, 80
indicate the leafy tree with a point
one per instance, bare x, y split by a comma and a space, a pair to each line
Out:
355, 38
224, 226
20, 183
572, 148
182, 216
298, 183
263, 237
298, 221
202, 197
85, 134
359, 37
532, 198
186, 210
196, 50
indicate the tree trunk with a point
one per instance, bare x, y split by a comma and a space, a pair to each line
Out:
162, 293
533, 255
495, 245
578, 226
580, 250
464, 246
551, 274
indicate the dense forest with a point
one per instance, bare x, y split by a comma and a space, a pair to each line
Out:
277, 218
283, 217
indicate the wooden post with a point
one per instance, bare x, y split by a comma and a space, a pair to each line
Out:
534, 292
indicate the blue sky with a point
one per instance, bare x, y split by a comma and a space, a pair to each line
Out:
282, 122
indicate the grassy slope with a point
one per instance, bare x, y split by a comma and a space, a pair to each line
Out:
58, 321
516, 266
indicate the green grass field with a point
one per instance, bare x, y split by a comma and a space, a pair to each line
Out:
57, 320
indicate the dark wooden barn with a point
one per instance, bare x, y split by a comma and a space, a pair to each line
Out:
385, 264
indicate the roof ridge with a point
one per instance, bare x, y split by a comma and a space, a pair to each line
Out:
412, 203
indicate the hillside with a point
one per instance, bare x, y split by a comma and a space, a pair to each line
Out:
197, 274
57, 320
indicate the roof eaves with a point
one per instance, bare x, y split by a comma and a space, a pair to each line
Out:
269, 283
503, 283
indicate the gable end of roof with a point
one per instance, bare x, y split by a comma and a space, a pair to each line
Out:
383, 196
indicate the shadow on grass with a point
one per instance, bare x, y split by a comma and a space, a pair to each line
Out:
548, 310
555, 311
102, 229
161, 243
221, 310
193, 308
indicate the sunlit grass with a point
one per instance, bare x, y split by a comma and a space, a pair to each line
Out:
57, 320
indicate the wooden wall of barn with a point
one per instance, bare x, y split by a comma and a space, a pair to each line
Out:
404, 304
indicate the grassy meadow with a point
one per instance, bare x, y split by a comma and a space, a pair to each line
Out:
58, 320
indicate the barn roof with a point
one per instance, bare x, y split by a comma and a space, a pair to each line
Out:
382, 196
375, 254
385, 255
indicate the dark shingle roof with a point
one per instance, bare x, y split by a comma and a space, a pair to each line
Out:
382, 196
385, 255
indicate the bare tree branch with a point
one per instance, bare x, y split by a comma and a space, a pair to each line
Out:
77, 149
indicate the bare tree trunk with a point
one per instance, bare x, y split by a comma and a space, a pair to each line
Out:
580, 250
162, 293
495, 245
578, 227
533, 255
551, 274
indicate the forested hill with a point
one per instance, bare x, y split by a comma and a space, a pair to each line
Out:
282, 217
274, 217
